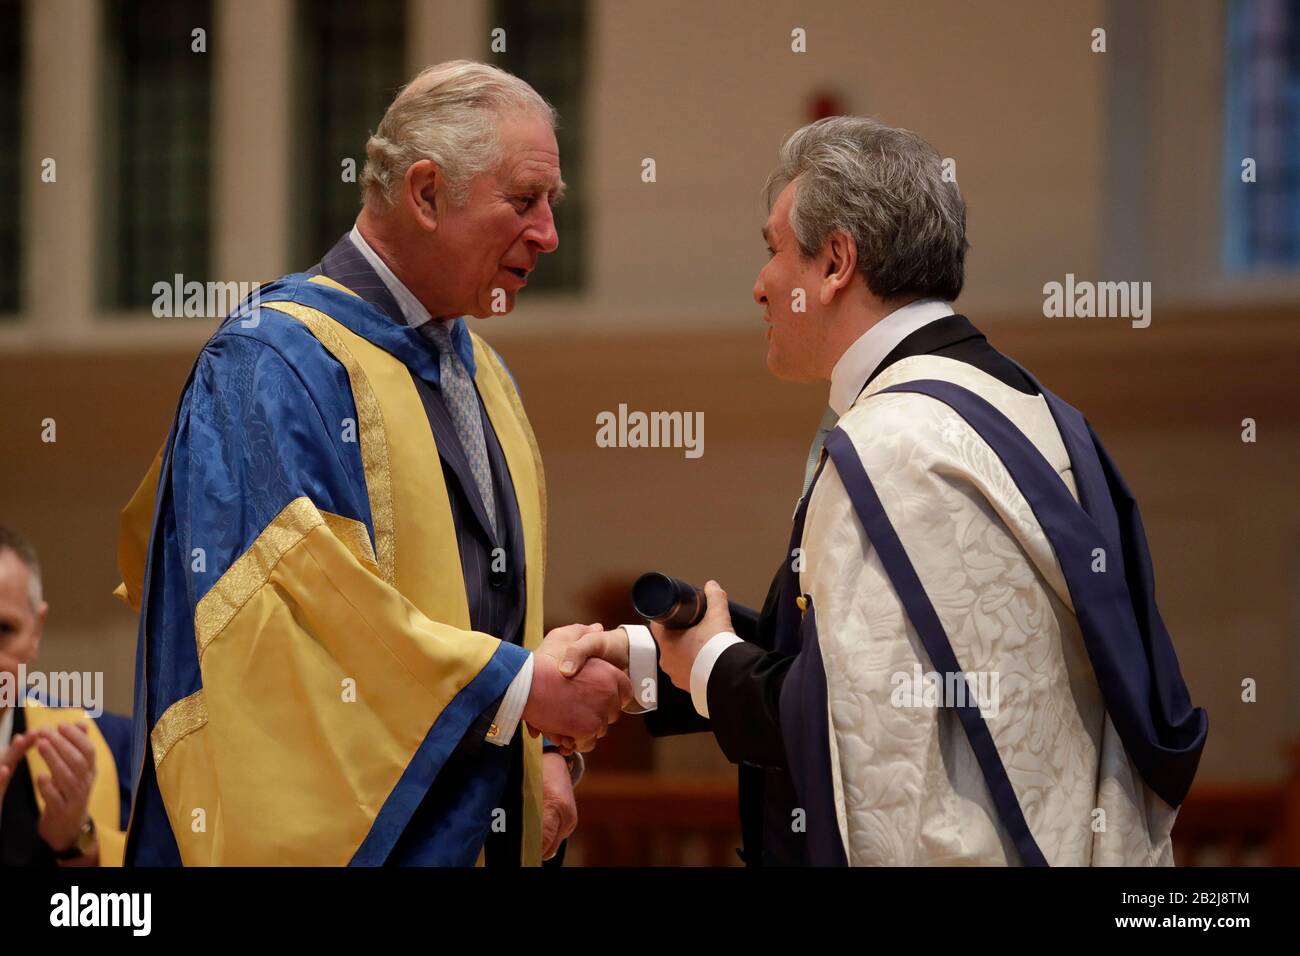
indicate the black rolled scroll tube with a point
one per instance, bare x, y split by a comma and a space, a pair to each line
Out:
677, 605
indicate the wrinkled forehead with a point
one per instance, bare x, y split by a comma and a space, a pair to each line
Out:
531, 173
530, 156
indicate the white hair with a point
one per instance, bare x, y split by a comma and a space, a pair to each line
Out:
449, 114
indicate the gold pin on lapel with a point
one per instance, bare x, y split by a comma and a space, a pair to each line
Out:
802, 601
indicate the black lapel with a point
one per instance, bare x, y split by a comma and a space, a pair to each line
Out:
20, 815
955, 337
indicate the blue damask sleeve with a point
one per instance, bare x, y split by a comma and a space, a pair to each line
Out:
259, 428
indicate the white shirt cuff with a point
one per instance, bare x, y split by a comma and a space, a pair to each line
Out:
703, 667
511, 710
642, 669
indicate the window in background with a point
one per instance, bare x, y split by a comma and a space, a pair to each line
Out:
546, 45
156, 139
350, 64
11, 177
1262, 122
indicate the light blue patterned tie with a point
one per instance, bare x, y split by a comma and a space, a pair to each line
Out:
829, 419
461, 398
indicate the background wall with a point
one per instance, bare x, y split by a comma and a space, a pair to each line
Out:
1102, 165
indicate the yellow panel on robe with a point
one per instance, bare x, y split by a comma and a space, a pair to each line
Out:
412, 578
433, 527
506, 412
293, 641
134, 525
105, 806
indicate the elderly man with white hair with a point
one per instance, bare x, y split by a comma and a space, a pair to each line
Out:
338, 554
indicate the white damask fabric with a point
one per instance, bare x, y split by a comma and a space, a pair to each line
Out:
908, 788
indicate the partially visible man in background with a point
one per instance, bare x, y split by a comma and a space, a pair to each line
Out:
64, 796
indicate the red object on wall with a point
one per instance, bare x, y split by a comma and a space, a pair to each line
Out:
825, 103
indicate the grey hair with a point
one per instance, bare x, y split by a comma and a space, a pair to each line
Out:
885, 188
449, 114
11, 540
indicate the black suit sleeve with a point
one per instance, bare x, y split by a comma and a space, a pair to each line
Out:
20, 844
675, 714
745, 704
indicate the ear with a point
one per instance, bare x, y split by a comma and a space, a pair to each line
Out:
839, 261
424, 193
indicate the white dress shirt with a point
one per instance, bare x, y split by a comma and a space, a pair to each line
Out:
864, 356
642, 669
6, 729
849, 376
413, 309
511, 709
6, 732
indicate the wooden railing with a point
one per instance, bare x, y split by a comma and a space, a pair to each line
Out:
1233, 825
1223, 824
643, 819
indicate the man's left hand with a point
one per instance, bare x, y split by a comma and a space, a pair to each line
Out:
678, 649
66, 788
559, 811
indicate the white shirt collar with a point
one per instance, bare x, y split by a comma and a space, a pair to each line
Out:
413, 311
864, 356
6, 728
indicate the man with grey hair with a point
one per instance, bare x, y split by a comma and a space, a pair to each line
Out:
960, 659
63, 791
339, 553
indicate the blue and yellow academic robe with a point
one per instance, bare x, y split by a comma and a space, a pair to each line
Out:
305, 662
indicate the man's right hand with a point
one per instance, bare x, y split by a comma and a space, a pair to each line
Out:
580, 708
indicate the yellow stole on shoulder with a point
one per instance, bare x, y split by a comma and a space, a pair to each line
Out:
105, 806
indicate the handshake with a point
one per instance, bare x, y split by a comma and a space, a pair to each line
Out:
583, 680
580, 685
